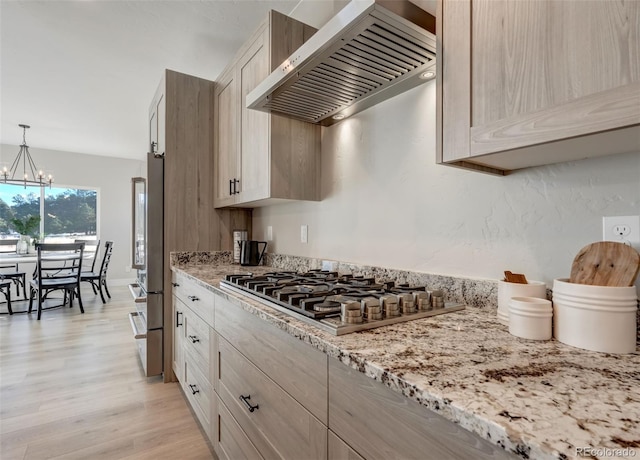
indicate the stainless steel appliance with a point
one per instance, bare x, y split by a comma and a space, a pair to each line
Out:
147, 258
341, 304
370, 51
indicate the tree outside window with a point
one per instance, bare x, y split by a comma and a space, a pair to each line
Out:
67, 213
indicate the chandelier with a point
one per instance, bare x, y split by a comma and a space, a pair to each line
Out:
13, 177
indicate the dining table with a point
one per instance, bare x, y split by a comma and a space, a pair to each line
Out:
29, 258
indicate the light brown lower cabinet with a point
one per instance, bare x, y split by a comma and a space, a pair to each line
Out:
231, 443
278, 425
199, 392
379, 423
195, 348
339, 450
260, 393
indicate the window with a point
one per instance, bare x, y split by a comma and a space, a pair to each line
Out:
65, 214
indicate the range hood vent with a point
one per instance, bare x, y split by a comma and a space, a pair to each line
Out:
370, 51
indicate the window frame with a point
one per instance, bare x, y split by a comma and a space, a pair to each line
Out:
43, 191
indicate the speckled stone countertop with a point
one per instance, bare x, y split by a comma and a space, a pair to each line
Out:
538, 400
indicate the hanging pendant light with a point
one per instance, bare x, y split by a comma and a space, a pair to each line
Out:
29, 177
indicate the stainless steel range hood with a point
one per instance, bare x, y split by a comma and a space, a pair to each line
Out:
370, 51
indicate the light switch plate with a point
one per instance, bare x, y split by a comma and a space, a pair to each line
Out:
304, 233
269, 233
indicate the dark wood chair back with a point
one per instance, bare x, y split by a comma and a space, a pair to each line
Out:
59, 263
90, 246
106, 258
9, 246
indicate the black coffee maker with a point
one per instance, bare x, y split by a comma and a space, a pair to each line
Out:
250, 252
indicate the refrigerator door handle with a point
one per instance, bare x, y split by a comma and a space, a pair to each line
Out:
135, 289
134, 326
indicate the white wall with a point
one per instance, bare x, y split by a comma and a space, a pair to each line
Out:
112, 177
385, 202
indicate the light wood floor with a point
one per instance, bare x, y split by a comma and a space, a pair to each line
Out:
71, 386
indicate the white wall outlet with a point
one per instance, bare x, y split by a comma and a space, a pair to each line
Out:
624, 229
269, 233
304, 233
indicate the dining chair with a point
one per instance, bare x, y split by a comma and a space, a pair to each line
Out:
90, 247
5, 290
98, 279
58, 268
9, 246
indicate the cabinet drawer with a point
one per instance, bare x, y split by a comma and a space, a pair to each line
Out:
232, 443
381, 424
178, 326
198, 391
294, 365
279, 426
198, 298
197, 341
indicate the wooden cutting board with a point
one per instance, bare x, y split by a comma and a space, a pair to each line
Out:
606, 263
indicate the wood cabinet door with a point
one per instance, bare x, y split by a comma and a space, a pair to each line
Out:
378, 423
226, 139
339, 450
255, 160
517, 74
277, 425
178, 324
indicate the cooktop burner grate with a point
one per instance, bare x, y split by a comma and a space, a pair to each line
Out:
341, 304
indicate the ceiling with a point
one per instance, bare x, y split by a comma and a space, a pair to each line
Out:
82, 73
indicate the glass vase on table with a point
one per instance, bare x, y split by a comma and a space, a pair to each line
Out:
23, 244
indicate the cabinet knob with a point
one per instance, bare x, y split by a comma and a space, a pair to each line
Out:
245, 400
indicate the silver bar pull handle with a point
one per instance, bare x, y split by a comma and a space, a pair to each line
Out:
133, 288
134, 326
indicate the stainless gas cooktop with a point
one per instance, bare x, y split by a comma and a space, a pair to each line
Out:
341, 304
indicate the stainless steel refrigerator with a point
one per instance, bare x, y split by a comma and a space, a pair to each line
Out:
147, 258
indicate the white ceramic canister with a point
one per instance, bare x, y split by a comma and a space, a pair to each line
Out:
508, 290
530, 318
597, 318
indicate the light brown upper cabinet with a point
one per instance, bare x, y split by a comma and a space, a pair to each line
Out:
532, 82
262, 158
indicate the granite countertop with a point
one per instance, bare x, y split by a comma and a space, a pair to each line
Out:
537, 399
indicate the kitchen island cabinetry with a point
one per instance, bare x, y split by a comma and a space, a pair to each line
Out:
379, 424
195, 348
274, 399
261, 157
177, 362
460, 375
274, 386
275, 423
528, 83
